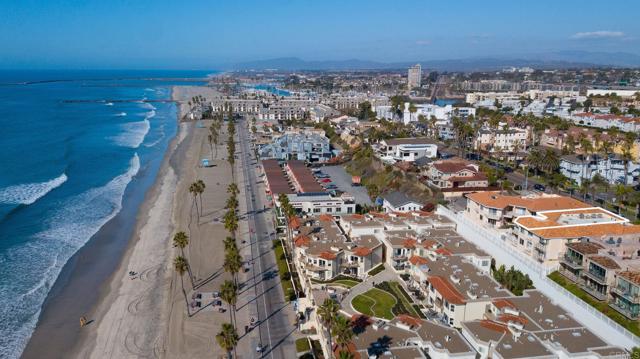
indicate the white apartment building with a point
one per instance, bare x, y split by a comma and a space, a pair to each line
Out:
612, 168
321, 203
502, 140
406, 149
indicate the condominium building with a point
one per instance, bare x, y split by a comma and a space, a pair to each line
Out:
414, 77
544, 235
625, 294
496, 210
321, 203
613, 168
306, 145
504, 140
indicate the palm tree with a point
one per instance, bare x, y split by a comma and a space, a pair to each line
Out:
535, 160
233, 189
342, 331
229, 293
231, 221
181, 266
232, 262
227, 338
344, 354
328, 312
550, 161
585, 188
194, 190
201, 187
229, 242
606, 148
180, 240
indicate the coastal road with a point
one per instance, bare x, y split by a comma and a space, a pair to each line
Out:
275, 316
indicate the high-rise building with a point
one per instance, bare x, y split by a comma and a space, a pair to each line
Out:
415, 75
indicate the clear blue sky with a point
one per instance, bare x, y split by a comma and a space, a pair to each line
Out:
200, 34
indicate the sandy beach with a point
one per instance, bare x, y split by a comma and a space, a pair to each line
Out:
145, 315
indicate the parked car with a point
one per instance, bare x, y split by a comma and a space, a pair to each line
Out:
539, 187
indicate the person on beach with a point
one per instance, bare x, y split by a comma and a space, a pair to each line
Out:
83, 321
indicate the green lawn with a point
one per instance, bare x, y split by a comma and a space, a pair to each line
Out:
285, 276
375, 303
603, 307
346, 282
376, 270
302, 345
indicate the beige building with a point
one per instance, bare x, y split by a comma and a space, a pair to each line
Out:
414, 77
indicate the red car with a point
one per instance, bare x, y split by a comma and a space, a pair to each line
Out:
326, 180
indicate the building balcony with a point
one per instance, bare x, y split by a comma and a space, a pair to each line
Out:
570, 275
621, 292
571, 262
350, 264
626, 311
399, 257
595, 293
598, 278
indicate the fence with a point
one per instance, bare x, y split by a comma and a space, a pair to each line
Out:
506, 254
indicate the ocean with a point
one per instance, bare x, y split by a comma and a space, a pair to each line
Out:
72, 142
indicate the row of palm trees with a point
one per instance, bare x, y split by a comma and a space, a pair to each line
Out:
228, 337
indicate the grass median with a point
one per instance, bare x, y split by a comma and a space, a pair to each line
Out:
375, 303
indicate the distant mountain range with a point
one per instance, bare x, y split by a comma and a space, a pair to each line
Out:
560, 59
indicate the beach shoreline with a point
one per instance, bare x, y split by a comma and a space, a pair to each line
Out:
47, 338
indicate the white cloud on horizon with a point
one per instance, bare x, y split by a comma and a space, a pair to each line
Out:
423, 42
603, 34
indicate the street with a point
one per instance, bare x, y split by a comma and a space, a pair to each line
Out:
274, 315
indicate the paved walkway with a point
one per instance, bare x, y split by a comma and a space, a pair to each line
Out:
386, 275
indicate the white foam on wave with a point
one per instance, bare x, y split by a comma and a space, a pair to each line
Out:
109, 104
121, 114
134, 132
28, 193
36, 264
148, 106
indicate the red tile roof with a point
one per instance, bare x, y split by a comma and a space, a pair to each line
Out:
417, 260
326, 218
496, 327
302, 241
294, 222
409, 320
328, 255
504, 303
361, 251
447, 290
443, 251
409, 243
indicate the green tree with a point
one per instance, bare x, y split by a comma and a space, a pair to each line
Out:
229, 293
227, 338
194, 190
181, 266
342, 331
231, 221
232, 262
328, 313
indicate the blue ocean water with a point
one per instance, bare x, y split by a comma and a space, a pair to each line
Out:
71, 144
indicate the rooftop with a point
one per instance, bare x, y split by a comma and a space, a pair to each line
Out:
533, 203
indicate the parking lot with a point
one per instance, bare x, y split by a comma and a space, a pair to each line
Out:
342, 180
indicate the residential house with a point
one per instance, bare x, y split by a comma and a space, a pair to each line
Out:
399, 202
406, 149
456, 176
613, 168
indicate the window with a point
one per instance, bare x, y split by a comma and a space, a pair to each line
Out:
316, 210
452, 308
329, 209
450, 321
338, 209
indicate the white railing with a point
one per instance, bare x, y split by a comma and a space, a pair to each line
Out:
506, 254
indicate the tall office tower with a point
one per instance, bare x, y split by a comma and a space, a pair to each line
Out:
415, 75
